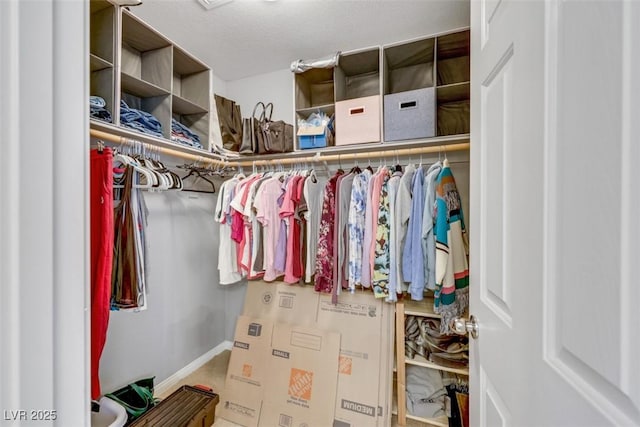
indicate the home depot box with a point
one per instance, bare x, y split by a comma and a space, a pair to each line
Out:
366, 324
281, 302
246, 374
358, 316
300, 388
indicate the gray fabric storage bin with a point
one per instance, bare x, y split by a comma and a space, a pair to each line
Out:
409, 115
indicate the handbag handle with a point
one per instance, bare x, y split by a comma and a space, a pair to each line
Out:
253, 115
270, 107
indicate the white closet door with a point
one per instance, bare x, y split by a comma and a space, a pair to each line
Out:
555, 211
44, 218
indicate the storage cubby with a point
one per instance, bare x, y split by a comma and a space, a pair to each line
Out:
314, 89
453, 109
358, 75
101, 42
453, 90
453, 65
198, 123
190, 84
357, 94
146, 61
409, 66
409, 100
158, 106
151, 73
101, 52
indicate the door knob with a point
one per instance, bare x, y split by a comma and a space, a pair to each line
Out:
461, 326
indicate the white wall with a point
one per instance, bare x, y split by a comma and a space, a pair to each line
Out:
276, 87
188, 313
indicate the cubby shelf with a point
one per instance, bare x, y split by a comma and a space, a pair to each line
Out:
139, 87
96, 63
131, 61
422, 85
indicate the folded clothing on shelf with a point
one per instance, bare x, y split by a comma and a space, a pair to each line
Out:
139, 120
423, 337
97, 108
425, 392
183, 135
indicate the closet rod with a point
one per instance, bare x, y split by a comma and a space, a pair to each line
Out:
118, 139
318, 157
392, 154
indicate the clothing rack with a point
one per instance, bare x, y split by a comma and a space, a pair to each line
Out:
205, 158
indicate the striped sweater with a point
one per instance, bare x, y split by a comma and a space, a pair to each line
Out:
452, 251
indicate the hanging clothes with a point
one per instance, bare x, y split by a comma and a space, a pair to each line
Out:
368, 234
293, 261
313, 194
452, 251
428, 219
381, 264
324, 257
412, 259
395, 278
267, 208
227, 254
356, 226
340, 243
102, 239
130, 246
401, 218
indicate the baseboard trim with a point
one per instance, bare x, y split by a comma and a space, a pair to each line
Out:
167, 384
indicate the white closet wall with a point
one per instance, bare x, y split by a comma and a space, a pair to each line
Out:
189, 312
276, 87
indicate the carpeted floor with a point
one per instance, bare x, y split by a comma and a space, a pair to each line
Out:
213, 374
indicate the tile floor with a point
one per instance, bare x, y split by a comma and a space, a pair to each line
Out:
213, 374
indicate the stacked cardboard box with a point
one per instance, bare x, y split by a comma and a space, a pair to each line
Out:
363, 369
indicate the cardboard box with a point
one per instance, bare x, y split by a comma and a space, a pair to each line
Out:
367, 328
281, 302
246, 374
302, 377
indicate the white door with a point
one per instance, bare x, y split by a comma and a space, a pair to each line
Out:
555, 210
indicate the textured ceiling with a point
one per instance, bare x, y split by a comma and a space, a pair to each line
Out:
248, 37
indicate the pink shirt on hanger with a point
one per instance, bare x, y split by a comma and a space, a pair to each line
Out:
268, 214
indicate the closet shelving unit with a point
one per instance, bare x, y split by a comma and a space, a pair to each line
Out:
425, 80
131, 61
423, 308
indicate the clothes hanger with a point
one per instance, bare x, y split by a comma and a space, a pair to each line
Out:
398, 168
445, 163
128, 161
197, 174
355, 168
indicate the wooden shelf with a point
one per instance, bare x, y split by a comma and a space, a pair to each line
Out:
140, 88
185, 64
422, 308
96, 63
442, 421
328, 109
453, 92
139, 35
421, 361
184, 106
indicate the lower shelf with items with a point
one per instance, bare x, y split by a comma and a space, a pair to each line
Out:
422, 309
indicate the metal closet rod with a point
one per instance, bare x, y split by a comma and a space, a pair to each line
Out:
290, 160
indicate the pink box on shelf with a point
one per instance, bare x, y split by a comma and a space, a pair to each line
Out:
358, 120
